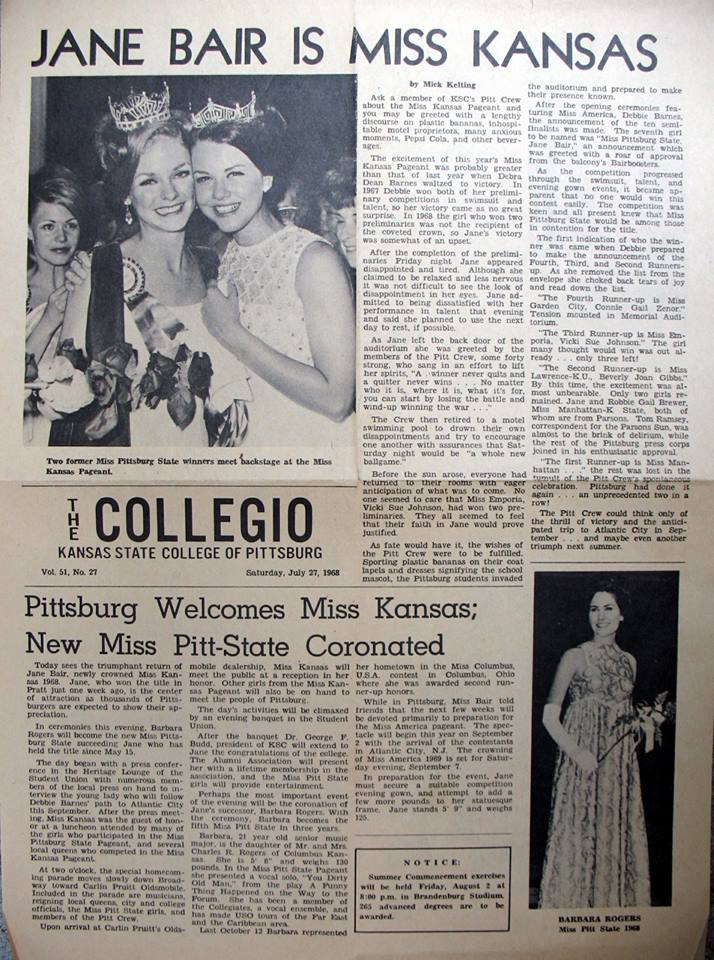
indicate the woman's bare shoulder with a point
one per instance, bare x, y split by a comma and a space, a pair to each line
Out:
321, 264
571, 663
574, 658
318, 253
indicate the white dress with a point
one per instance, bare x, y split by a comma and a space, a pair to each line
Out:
270, 309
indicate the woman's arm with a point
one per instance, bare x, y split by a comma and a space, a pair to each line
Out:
327, 387
37, 340
39, 336
74, 326
570, 663
633, 664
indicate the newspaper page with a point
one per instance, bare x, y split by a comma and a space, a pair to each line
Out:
422, 662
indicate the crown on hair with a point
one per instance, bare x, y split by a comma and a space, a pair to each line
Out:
215, 113
138, 109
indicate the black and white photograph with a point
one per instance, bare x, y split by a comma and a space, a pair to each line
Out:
602, 768
191, 262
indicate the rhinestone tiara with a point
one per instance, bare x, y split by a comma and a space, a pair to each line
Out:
216, 113
140, 108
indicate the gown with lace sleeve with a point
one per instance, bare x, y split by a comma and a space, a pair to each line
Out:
596, 855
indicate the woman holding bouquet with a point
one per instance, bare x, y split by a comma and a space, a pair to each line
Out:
57, 220
284, 305
157, 376
596, 855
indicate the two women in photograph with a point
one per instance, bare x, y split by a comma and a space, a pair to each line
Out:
180, 351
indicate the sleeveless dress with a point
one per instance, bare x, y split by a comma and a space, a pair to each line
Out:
270, 308
596, 854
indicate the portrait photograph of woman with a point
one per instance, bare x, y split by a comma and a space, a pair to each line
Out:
602, 773
204, 315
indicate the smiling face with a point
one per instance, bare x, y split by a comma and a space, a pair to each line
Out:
54, 233
605, 615
229, 187
161, 191
343, 224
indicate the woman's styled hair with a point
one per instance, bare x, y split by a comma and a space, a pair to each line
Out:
119, 152
616, 588
339, 184
57, 184
54, 183
262, 138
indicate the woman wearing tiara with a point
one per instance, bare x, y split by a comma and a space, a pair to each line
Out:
284, 304
157, 377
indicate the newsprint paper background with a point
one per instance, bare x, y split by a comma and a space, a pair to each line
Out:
424, 674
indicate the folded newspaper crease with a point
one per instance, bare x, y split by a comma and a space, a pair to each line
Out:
387, 679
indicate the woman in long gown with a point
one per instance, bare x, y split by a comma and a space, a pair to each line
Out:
158, 376
596, 855
286, 308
